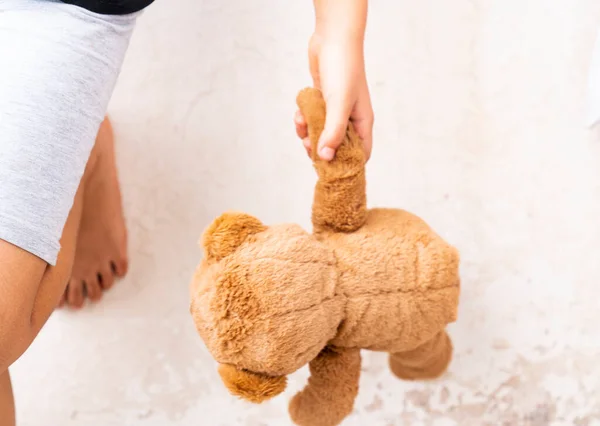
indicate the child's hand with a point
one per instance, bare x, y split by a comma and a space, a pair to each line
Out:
337, 68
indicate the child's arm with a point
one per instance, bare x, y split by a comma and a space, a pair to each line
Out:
345, 20
337, 68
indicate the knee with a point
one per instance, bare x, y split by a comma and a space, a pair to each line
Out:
27, 287
14, 334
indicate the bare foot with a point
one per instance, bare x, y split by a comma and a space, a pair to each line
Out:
101, 254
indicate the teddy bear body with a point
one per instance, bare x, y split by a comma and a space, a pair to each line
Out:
384, 305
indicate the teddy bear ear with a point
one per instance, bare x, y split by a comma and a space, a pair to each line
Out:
228, 232
253, 387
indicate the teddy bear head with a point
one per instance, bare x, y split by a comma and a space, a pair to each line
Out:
263, 301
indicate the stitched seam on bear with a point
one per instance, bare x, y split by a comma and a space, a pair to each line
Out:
362, 315
400, 291
299, 262
353, 297
280, 314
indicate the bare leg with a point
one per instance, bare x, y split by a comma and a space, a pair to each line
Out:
30, 290
428, 361
332, 387
7, 403
102, 239
45, 295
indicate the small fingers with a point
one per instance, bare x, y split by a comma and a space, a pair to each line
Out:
364, 129
364, 120
336, 123
302, 131
307, 146
301, 126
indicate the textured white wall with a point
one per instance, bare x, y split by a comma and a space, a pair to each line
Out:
479, 129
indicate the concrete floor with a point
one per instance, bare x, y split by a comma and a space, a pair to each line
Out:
480, 112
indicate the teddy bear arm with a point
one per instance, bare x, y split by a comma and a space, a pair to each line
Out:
331, 390
337, 209
340, 194
428, 361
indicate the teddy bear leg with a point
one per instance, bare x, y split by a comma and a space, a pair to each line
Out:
428, 361
332, 387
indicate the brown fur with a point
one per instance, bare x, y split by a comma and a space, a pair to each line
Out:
268, 300
340, 201
332, 386
251, 386
228, 232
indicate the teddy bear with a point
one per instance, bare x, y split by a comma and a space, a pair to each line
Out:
268, 300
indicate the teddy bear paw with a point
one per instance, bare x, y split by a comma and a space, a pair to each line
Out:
306, 410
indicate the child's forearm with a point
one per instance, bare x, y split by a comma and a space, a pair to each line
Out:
341, 19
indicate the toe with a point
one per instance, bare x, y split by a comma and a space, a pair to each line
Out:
119, 267
107, 279
92, 285
75, 294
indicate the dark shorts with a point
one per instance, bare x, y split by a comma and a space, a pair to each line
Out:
111, 7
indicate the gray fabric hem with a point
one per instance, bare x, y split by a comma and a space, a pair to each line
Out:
20, 235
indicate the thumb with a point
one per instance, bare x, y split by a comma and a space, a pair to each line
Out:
336, 123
